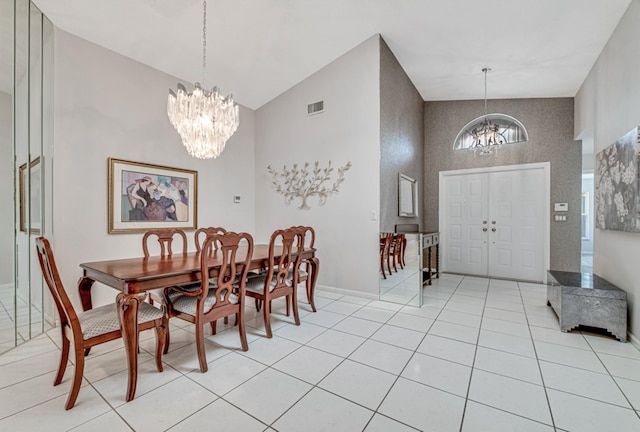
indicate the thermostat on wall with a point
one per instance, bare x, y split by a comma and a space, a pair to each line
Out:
560, 207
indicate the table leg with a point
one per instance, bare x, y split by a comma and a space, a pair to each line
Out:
128, 305
84, 289
438, 261
314, 265
429, 264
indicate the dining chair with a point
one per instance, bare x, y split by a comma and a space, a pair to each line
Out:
309, 237
395, 251
165, 238
221, 298
278, 280
385, 245
200, 232
94, 326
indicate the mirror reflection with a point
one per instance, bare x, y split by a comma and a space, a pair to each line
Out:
25, 130
400, 272
7, 292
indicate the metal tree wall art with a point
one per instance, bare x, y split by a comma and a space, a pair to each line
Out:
307, 181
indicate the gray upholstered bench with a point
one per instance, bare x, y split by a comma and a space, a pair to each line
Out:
587, 299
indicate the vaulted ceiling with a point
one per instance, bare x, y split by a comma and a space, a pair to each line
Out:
257, 49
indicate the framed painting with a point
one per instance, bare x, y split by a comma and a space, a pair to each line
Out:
30, 196
143, 196
617, 185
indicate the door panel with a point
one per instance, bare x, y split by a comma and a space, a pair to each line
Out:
465, 212
510, 206
516, 247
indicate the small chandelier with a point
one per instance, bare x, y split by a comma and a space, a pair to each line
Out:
490, 131
204, 119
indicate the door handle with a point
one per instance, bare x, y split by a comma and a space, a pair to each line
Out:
484, 222
485, 229
493, 229
493, 222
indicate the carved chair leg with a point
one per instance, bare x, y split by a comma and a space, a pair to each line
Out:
294, 305
242, 330
64, 359
161, 339
167, 339
202, 356
77, 379
267, 318
288, 301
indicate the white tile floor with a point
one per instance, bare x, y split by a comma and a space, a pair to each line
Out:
480, 355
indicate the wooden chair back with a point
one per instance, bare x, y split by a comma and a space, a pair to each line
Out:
232, 275
165, 238
291, 240
385, 246
68, 315
197, 237
309, 235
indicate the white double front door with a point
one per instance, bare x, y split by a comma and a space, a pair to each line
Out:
494, 221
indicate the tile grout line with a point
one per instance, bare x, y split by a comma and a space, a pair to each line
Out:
535, 351
475, 354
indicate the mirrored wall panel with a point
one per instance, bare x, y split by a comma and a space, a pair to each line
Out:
26, 68
400, 268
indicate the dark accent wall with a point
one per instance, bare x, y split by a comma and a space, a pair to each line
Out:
401, 137
550, 126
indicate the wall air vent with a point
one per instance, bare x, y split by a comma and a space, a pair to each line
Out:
315, 108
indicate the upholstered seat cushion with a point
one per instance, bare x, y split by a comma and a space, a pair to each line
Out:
104, 319
256, 283
187, 304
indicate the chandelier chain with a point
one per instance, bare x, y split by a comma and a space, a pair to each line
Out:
204, 42
485, 70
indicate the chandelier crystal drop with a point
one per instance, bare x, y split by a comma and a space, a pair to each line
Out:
204, 118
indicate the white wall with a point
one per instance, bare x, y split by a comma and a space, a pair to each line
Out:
609, 103
107, 105
348, 130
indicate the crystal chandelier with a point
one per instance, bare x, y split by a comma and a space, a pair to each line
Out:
490, 131
204, 119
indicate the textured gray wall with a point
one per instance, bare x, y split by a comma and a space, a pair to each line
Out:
401, 137
550, 126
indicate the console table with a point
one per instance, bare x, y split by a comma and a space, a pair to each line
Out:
430, 244
429, 251
587, 299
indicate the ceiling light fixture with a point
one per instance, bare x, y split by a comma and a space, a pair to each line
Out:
490, 131
204, 119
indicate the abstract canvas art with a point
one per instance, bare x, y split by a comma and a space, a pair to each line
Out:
617, 199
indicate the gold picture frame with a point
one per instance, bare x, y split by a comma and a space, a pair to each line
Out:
33, 198
144, 196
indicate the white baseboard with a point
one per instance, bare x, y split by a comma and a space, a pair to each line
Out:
372, 296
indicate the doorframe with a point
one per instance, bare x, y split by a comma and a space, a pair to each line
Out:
545, 166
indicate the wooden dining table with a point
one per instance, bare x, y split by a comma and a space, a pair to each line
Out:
134, 276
